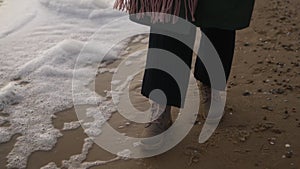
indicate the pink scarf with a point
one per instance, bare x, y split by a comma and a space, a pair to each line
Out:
158, 10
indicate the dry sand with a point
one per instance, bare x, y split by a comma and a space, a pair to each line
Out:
262, 114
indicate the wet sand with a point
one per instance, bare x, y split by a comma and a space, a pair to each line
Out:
261, 123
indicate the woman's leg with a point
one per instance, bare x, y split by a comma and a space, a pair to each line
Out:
224, 43
158, 79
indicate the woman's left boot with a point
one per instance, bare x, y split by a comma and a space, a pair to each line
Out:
162, 121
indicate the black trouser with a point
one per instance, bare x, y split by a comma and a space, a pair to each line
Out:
222, 40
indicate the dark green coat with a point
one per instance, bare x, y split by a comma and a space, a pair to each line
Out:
223, 14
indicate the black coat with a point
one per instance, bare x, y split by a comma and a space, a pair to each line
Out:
223, 14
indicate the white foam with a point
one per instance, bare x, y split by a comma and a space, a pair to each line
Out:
136, 144
115, 82
72, 125
76, 7
137, 39
51, 165
76, 161
8, 95
17, 24
100, 116
125, 154
145, 41
128, 63
48, 91
40, 45
2, 120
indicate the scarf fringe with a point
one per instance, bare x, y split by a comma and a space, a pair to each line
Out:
158, 10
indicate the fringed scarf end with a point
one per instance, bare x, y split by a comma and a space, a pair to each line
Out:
158, 10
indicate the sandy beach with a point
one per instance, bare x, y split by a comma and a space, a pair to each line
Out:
261, 125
